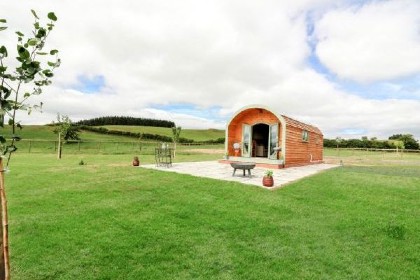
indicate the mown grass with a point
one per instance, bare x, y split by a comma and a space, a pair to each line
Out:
108, 220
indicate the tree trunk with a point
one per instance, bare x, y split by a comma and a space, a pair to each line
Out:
174, 149
59, 146
4, 260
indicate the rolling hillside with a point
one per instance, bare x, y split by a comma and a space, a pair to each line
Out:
195, 134
43, 132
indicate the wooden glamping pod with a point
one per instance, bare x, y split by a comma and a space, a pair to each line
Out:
257, 134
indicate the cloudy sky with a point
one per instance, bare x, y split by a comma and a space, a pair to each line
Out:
350, 67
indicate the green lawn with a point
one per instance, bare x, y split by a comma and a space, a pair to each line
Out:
108, 220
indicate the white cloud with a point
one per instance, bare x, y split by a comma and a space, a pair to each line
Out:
377, 41
228, 54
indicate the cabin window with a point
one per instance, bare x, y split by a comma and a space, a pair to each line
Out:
305, 136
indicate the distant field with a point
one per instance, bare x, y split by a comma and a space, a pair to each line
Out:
41, 139
43, 132
194, 134
365, 157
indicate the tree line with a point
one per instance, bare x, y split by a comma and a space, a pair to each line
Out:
400, 141
122, 120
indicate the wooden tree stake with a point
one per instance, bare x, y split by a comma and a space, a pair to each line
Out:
5, 265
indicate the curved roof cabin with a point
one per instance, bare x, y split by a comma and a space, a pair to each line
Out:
257, 134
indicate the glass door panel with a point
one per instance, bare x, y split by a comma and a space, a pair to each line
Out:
273, 141
246, 140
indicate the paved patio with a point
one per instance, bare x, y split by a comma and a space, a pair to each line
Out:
223, 171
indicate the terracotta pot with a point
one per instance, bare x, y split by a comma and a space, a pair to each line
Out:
136, 161
237, 152
268, 181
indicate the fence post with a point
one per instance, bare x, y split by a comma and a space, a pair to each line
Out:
30, 145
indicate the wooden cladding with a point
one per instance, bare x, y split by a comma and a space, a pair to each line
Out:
303, 143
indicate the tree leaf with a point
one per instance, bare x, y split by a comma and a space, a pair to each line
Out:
48, 73
20, 34
3, 20
52, 16
3, 28
41, 33
3, 51
53, 52
35, 15
33, 41
23, 52
10, 149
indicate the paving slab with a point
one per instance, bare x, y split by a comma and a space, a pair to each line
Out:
223, 171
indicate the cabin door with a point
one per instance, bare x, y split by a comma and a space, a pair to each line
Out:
273, 141
246, 140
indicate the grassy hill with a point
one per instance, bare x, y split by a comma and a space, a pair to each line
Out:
43, 132
195, 134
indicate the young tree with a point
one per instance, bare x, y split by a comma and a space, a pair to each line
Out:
66, 131
176, 131
19, 80
407, 139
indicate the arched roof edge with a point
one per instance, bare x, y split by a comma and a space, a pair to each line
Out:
255, 106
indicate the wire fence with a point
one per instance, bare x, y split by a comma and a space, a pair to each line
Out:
376, 150
104, 147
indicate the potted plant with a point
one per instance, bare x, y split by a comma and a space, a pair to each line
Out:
136, 161
268, 180
237, 149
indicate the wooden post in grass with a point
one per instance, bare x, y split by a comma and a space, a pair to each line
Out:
4, 260
59, 146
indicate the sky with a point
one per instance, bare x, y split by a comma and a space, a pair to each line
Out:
351, 68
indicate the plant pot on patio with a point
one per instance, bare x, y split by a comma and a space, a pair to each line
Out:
136, 161
237, 149
268, 180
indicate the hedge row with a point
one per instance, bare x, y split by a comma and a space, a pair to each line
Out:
357, 143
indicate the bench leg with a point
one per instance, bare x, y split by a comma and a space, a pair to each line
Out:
243, 171
234, 170
249, 172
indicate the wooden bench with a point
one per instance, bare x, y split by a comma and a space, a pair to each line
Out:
244, 166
